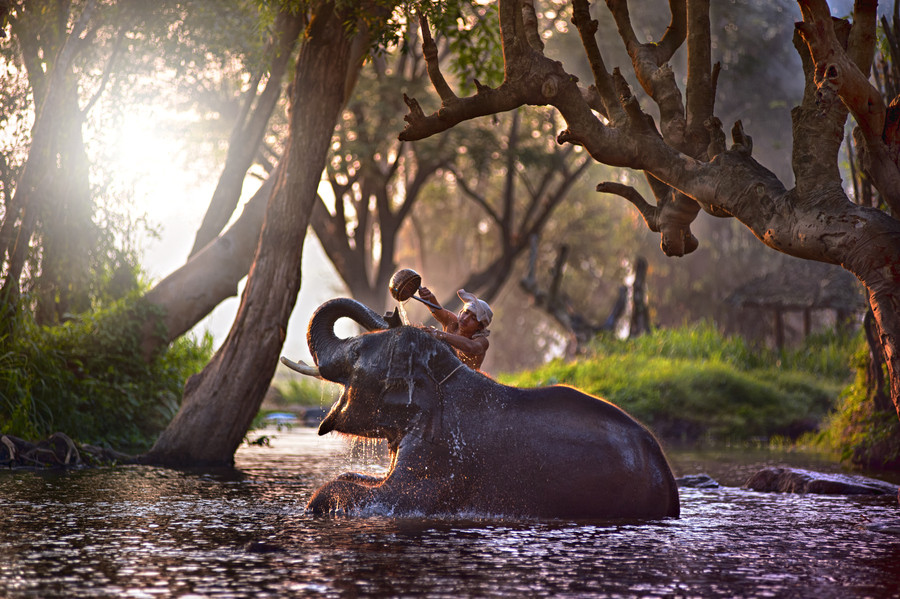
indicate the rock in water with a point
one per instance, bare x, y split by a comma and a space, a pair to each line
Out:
797, 480
891, 527
697, 481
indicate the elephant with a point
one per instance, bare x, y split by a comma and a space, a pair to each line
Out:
463, 444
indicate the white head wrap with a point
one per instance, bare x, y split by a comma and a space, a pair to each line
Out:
479, 308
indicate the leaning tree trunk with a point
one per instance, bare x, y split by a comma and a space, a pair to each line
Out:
220, 402
190, 293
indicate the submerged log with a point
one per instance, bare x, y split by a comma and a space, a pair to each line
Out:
57, 451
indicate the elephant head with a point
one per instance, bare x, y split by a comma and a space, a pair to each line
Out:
386, 373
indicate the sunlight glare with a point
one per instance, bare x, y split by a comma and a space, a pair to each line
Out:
150, 159
174, 195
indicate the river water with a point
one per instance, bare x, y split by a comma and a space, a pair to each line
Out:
146, 532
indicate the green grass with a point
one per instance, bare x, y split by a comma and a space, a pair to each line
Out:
694, 385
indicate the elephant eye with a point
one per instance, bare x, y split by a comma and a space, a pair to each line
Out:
353, 355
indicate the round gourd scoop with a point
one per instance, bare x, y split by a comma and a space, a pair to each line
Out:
404, 285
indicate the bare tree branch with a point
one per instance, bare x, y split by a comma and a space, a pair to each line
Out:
107, 72
530, 25
675, 32
700, 93
836, 72
603, 83
647, 210
430, 54
649, 63
838, 75
475, 196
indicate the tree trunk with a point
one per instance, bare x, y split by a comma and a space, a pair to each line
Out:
69, 236
220, 402
875, 365
640, 314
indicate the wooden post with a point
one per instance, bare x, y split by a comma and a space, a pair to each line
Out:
779, 329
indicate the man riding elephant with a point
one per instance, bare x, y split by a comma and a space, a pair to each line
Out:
466, 332
462, 443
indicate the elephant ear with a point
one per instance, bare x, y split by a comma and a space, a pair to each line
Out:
393, 318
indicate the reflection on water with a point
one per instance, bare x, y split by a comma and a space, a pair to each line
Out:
150, 532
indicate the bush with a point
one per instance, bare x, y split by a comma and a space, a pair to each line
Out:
306, 391
87, 378
692, 384
860, 434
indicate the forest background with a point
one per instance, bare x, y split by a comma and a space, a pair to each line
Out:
604, 235
201, 82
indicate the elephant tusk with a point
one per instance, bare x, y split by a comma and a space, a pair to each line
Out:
301, 367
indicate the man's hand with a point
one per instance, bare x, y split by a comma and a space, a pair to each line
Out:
425, 294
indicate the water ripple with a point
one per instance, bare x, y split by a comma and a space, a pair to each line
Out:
150, 532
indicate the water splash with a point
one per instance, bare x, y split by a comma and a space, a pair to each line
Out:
327, 394
457, 441
410, 380
368, 456
404, 317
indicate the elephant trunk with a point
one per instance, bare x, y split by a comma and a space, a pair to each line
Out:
325, 346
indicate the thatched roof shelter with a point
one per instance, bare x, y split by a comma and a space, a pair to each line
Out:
802, 285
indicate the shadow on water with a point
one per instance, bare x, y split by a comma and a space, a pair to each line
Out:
149, 532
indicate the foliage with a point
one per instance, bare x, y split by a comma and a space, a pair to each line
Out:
473, 35
306, 392
692, 384
856, 430
87, 378
190, 65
